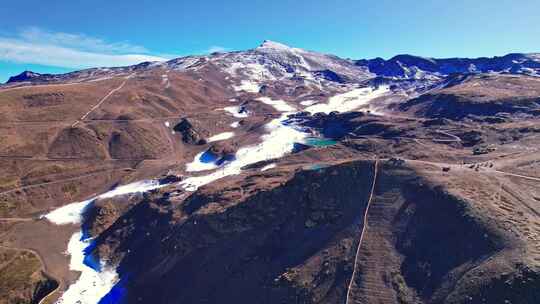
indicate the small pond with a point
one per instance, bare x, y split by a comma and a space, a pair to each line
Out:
320, 142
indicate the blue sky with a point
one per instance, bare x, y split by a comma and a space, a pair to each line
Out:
60, 35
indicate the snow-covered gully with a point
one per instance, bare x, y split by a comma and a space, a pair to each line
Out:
95, 281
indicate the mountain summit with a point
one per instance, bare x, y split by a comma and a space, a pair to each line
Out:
274, 45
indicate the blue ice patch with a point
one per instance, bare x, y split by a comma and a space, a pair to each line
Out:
208, 157
89, 259
117, 294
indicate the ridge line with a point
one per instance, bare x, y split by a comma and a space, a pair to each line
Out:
364, 227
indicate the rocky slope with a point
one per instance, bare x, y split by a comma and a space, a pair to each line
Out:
294, 238
484, 96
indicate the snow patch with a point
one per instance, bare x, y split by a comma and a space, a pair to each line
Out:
268, 167
349, 101
198, 165
186, 63
279, 105
72, 213
167, 124
307, 103
91, 285
221, 136
235, 124
247, 86
268, 44
165, 81
68, 214
236, 111
278, 142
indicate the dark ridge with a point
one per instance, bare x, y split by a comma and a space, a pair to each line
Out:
25, 76
404, 65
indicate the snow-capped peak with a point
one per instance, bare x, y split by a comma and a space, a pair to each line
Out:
268, 44
534, 56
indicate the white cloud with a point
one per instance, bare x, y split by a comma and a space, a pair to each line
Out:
78, 41
37, 46
216, 48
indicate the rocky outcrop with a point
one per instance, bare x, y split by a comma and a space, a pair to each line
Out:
471, 138
102, 213
24, 76
190, 135
330, 76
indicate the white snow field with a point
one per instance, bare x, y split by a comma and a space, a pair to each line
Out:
268, 167
279, 105
307, 103
92, 285
349, 101
221, 136
247, 86
72, 213
235, 111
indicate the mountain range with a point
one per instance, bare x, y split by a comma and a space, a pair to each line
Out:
397, 67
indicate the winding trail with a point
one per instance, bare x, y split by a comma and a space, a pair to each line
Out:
364, 228
454, 137
102, 101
